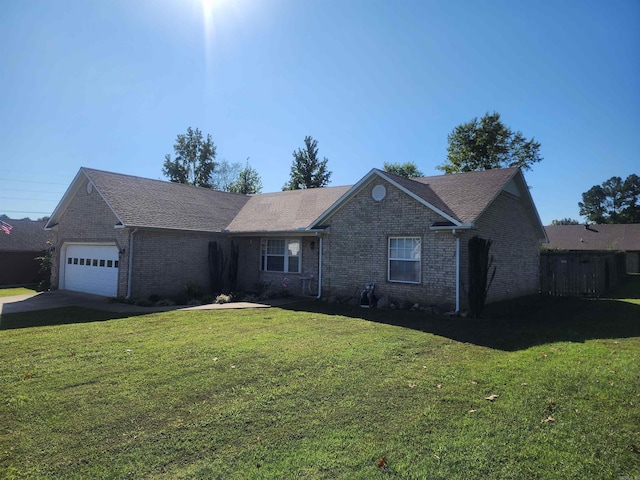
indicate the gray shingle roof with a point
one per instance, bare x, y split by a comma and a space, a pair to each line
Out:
468, 194
26, 236
145, 203
596, 238
142, 202
285, 211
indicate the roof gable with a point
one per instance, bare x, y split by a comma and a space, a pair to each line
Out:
145, 203
459, 198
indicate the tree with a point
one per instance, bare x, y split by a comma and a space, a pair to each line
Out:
565, 221
307, 170
194, 162
615, 201
248, 181
408, 169
486, 144
225, 175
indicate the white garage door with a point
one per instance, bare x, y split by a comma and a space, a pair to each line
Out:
92, 269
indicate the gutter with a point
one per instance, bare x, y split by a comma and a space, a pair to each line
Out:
320, 247
130, 266
457, 270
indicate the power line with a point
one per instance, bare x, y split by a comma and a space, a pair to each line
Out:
27, 191
23, 211
30, 181
31, 199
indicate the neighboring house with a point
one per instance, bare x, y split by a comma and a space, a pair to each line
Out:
600, 239
18, 252
126, 236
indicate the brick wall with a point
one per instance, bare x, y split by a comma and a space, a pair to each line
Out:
89, 219
515, 249
164, 261
356, 248
253, 279
357, 243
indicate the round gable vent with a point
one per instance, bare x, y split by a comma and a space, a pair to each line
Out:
378, 192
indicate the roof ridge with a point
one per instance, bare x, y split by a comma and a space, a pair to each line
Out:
165, 182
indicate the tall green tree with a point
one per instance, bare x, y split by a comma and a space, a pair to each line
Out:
407, 169
615, 201
487, 143
194, 161
248, 181
307, 170
225, 175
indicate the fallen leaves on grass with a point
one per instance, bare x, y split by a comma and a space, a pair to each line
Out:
412, 385
473, 410
492, 397
382, 463
27, 376
634, 448
549, 419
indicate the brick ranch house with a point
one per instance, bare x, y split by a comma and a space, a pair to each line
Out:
126, 236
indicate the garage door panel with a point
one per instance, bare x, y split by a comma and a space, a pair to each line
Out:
92, 269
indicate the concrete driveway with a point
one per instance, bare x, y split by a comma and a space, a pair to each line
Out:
65, 298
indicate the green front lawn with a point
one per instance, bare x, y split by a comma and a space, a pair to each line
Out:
544, 388
10, 292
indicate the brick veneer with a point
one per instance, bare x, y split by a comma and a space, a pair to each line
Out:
356, 249
89, 219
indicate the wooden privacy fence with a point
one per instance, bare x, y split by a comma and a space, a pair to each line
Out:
579, 273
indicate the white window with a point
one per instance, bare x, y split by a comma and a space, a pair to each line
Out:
280, 255
404, 259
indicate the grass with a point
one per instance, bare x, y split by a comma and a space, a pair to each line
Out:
324, 392
10, 292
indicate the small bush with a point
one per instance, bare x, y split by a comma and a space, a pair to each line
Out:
207, 299
154, 298
194, 302
165, 302
223, 298
193, 290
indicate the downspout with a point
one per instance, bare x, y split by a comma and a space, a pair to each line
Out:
457, 270
130, 267
320, 268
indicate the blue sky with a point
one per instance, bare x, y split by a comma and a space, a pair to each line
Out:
108, 84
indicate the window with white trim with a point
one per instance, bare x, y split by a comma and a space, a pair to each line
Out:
404, 259
280, 255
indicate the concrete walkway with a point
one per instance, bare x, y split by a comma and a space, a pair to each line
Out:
64, 298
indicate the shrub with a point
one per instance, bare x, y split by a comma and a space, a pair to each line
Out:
223, 298
193, 290
165, 302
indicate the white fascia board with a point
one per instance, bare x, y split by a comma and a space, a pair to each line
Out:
365, 180
338, 203
71, 192
281, 233
531, 209
66, 200
462, 226
421, 200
